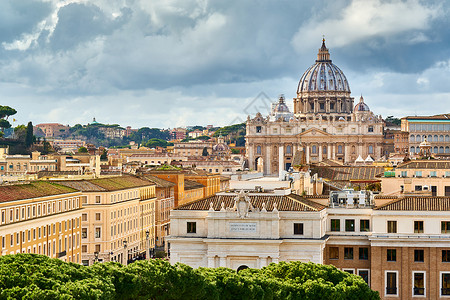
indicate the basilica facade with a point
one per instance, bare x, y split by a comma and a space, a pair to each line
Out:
325, 124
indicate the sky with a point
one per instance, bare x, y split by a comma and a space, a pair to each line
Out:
168, 63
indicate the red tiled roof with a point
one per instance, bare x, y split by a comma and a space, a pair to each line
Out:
418, 204
425, 164
107, 184
347, 173
290, 202
33, 189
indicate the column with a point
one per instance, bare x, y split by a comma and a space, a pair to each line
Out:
262, 261
223, 261
281, 162
320, 152
307, 153
328, 151
211, 263
333, 148
346, 153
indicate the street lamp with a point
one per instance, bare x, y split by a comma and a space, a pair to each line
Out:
125, 254
95, 256
147, 250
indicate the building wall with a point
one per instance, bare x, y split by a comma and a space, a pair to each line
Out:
47, 225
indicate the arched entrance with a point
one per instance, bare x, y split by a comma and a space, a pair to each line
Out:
259, 164
243, 267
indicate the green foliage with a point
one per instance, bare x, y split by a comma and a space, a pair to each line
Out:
160, 254
153, 143
393, 120
82, 150
29, 136
32, 276
230, 129
6, 111
4, 124
205, 152
202, 138
235, 151
104, 155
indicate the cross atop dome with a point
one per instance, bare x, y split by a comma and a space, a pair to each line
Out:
323, 55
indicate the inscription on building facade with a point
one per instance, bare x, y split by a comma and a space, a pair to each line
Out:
243, 227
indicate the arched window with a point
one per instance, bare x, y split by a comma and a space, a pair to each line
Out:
447, 138
324, 149
258, 150
435, 149
424, 137
418, 138
314, 149
412, 138
417, 149
370, 149
412, 150
430, 138
288, 149
340, 149
447, 149
435, 138
353, 149
441, 149
441, 138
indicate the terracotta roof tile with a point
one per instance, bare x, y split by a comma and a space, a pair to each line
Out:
33, 189
290, 202
425, 164
158, 181
418, 204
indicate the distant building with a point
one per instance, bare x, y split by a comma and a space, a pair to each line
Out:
53, 130
436, 129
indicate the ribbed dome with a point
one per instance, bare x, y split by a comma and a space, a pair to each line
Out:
361, 106
323, 75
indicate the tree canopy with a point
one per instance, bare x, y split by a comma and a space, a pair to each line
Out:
32, 276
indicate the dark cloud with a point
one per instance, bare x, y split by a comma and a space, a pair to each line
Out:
21, 17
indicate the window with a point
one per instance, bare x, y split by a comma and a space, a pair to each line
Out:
191, 227
364, 253
445, 284
98, 232
433, 173
348, 253
418, 226
84, 217
335, 225
404, 173
418, 283
340, 149
392, 226
97, 216
370, 129
334, 253
258, 150
258, 129
391, 283
391, 254
364, 225
298, 228
97, 248
349, 225
418, 174
445, 227
84, 248
83, 233
97, 199
364, 274
445, 255
419, 255
370, 149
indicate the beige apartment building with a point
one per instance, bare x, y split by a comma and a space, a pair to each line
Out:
42, 218
118, 212
418, 176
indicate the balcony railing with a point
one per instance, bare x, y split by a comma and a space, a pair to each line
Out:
419, 291
391, 291
61, 254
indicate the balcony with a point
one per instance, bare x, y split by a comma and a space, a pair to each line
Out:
391, 291
61, 254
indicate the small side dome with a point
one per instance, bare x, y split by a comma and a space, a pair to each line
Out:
281, 110
361, 106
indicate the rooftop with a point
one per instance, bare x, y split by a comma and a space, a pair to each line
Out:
290, 202
158, 181
33, 189
107, 184
418, 204
425, 164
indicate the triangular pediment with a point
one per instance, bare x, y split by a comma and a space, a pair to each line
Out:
314, 132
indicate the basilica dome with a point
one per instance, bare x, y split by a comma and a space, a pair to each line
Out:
323, 75
361, 106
